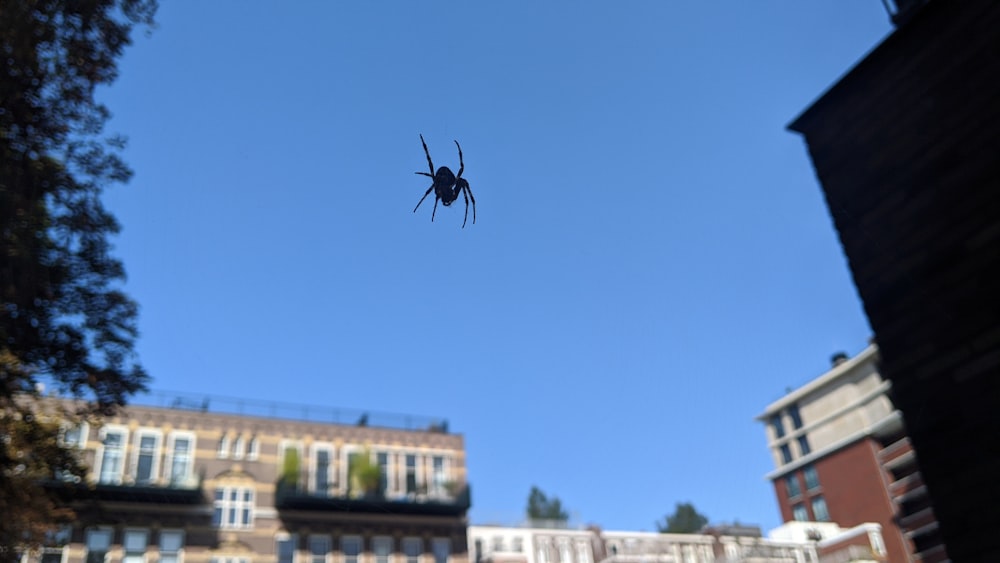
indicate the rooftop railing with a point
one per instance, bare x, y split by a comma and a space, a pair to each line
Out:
326, 414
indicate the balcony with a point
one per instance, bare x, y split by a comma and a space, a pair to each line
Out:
296, 497
187, 492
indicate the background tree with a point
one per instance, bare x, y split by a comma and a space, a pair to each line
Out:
64, 322
684, 520
540, 507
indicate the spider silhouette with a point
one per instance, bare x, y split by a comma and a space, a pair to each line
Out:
446, 185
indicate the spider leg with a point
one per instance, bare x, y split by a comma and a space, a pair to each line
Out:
423, 174
467, 192
425, 197
428, 153
436, 198
461, 164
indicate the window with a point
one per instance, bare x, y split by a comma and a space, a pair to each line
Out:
238, 446
98, 544
498, 543
799, 513
382, 459
285, 548
147, 457
233, 508
223, 451
134, 545
804, 445
171, 542
779, 428
76, 436
479, 550
437, 475
382, 547
412, 547
53, 545
319, 547
411, 474
180, 459
113, 446
518, 545
441, 547
820, 513
792, 486
565, 553
350, 546
253, 449
786, 453
812, 478
793, 413
321, 475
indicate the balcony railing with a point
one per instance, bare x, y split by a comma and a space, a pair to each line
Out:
296, 497
188, 491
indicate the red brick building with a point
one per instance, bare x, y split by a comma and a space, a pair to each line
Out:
842, 455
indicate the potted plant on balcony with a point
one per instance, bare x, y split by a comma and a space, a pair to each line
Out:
288, 481
452, 488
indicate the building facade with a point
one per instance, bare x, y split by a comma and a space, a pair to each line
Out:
554, 544
187, 484
842, 455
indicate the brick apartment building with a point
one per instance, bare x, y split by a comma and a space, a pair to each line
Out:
842, 455
186, 483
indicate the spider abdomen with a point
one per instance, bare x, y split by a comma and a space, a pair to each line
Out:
444, 177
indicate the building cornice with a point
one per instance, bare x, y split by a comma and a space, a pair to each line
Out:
837, 372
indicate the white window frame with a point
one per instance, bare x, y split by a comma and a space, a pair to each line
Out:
389, 470
418, 473
253, 448
331, 474
180, 548
565, 551
171, 450
343, 552
91, 532
228, 505
99, 453
223, 449
145, 544
435, 542
375, 555
286, 537
437, 488
327, 554
412, 540
154, 470
81, 443
238, 447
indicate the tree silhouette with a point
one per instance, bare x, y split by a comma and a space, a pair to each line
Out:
540, 507
64, 321
684, 520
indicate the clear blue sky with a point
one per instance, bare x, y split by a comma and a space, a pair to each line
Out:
652, 264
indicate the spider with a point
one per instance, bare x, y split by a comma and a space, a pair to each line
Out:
447, 185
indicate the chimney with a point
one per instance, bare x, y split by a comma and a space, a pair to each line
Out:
838, 358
